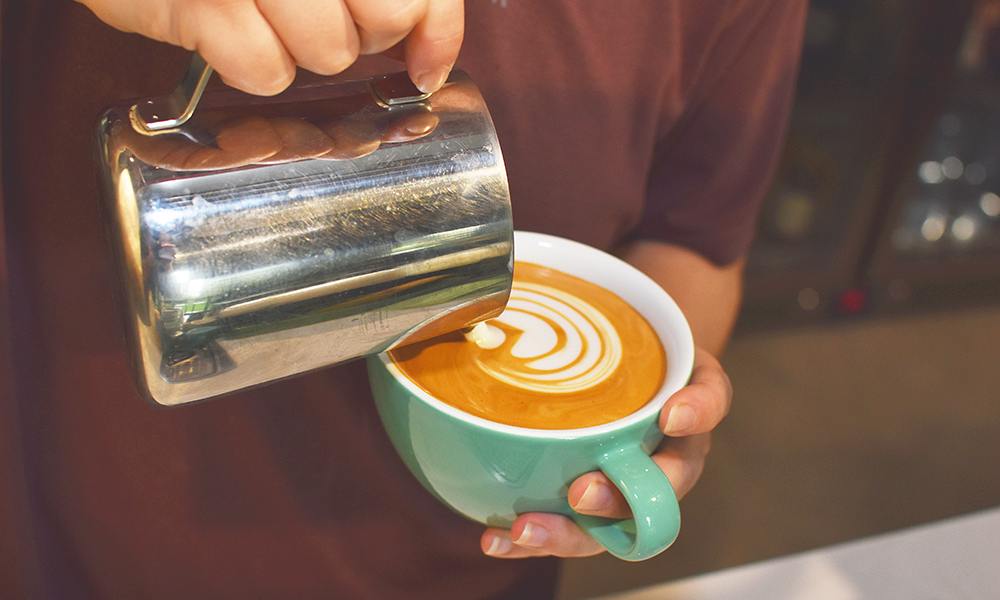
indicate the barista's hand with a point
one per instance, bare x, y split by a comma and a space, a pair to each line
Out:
255, 45
687, 418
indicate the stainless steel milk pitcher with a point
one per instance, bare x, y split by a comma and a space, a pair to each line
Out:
259, 238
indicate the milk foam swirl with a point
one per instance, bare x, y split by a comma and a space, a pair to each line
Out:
555, 359
560, 343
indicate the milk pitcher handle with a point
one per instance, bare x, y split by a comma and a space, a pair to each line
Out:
167, 114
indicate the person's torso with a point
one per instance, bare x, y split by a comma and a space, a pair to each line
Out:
291, 490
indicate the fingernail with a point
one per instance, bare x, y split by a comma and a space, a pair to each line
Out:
430, 81
681, 418
500, 546
596, 497
532, 536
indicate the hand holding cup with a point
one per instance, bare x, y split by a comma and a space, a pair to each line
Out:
497, 473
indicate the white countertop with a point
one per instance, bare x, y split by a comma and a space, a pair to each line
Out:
953, 559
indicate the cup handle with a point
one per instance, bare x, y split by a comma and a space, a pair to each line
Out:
656, 514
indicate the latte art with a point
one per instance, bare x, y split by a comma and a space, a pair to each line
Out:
561, 344
564, 354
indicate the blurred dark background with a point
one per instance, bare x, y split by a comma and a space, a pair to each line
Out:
887, 199
865, 360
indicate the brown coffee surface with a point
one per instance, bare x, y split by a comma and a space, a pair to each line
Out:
568, 354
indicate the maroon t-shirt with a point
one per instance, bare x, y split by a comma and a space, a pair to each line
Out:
655, 118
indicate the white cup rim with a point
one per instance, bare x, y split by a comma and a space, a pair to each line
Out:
654, 303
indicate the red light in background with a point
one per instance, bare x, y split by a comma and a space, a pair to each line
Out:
853, 301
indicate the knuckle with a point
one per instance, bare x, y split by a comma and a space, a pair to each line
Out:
445, 36
391, 17
329, 63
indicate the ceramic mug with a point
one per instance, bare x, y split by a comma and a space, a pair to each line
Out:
491, 472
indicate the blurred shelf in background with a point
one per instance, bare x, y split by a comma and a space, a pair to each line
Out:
888, 197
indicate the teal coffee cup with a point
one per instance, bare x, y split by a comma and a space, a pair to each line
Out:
492, 472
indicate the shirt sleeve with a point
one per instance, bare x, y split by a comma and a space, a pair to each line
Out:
713, 168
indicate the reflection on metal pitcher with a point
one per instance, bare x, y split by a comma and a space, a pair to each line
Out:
272, 236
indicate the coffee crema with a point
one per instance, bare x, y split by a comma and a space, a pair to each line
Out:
565, 354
